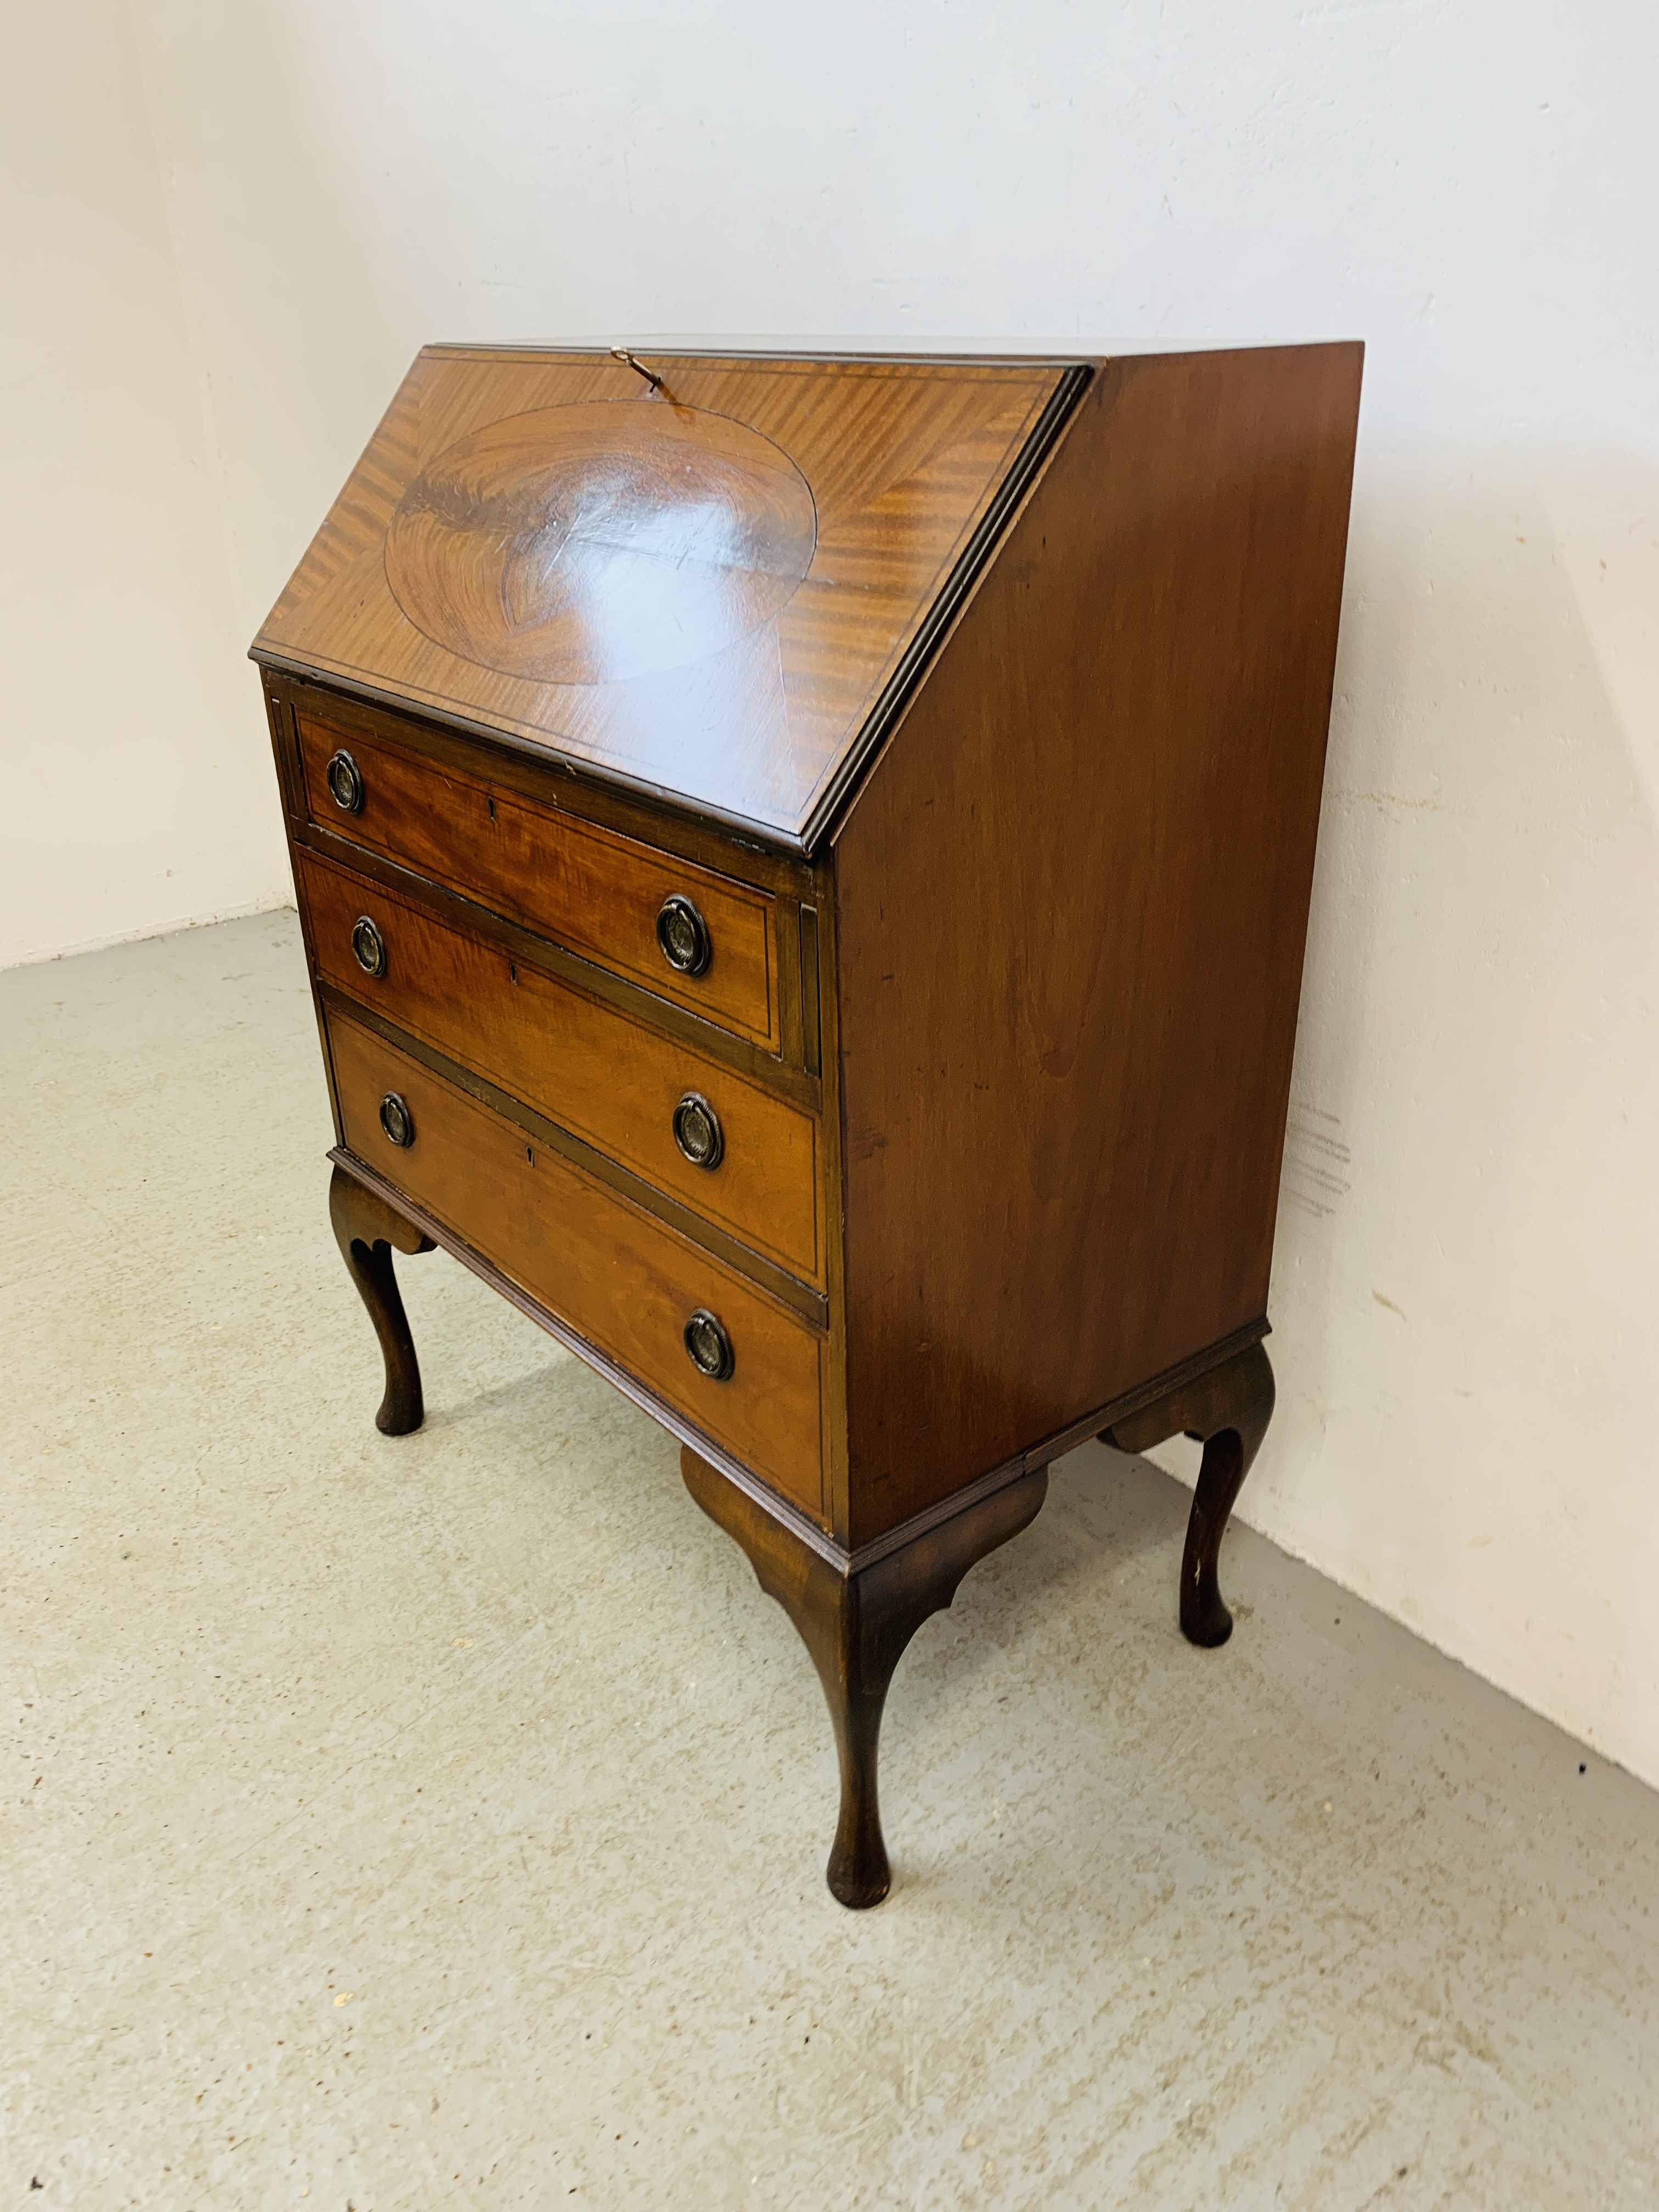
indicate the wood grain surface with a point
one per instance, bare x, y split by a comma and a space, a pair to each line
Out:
614, 1082
508, 765
623, 1281
1071, 903
594, 892
701, 589
590, 544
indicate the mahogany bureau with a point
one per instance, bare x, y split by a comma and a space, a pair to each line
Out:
804, 865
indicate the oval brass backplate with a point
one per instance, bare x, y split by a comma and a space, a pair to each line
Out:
709, 1347
368, 945
397, 1120
698, 1131
345, 782
684, 935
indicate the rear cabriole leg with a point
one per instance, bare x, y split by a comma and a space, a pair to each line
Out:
1227, 1411
366, 1229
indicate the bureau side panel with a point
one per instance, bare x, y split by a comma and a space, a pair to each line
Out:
1071, 903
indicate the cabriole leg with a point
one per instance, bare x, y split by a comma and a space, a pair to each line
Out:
1227, 1411
856, 1627
366, 1228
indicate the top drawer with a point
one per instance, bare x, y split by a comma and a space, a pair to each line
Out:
698, 938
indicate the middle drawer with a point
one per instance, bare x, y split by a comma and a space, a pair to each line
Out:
737, 1154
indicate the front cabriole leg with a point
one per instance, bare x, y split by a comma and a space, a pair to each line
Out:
856, 1625
366, 1228
1227, 1410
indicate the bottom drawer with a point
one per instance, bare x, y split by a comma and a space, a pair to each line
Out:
626, 1283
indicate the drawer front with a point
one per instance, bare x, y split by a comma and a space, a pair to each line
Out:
609, 1080
597, 892
626, 1283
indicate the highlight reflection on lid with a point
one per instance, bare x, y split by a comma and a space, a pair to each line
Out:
593, 543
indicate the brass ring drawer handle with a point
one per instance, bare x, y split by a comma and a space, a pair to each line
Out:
698, 1131
397, 1120
709, 1347
368, 945
345, 783
684, 936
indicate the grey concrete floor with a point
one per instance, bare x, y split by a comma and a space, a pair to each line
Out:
441, 1821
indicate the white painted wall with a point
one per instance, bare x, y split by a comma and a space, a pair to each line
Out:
1463, 1299
136, 794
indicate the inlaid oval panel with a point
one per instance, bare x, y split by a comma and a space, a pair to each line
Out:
589, 543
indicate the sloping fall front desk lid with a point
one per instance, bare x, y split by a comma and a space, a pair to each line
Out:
720, 587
